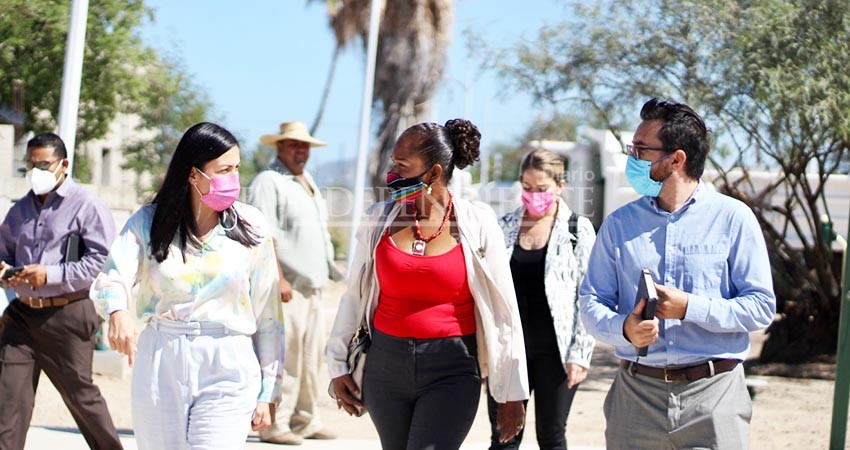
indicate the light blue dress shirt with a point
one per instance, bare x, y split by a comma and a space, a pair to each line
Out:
712, 248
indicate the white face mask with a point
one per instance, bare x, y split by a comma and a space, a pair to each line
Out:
43, 181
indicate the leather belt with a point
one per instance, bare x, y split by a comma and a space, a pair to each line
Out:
689, 373
52, 302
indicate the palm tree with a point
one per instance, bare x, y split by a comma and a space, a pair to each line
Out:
412, 43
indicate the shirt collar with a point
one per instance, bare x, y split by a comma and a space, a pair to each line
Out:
697, 195
66, 187
279, 167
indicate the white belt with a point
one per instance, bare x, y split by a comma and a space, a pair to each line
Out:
190, 328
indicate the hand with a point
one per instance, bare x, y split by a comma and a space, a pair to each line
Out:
3, 267
263, 416
511, 419
575, 374
15, 281
285, 290
122, 334
347, 395
33, 275
672, 303
638, 331
36, 274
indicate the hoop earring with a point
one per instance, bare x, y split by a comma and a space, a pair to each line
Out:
223, 219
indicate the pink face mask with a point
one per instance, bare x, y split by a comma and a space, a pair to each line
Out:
537, 203
224, 190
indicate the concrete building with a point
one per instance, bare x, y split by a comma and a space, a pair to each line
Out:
112, 183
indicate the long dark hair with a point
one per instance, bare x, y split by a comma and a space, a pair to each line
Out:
199, 145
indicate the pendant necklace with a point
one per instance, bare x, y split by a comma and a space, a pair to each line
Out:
419, 242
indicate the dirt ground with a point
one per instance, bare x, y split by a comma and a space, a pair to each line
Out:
788, 413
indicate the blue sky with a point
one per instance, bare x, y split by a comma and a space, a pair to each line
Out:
264, 62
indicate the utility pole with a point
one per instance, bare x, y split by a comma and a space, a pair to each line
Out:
838, 432
365, 119
72, 76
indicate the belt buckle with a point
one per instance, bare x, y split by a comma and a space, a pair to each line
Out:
40, 303
667, 378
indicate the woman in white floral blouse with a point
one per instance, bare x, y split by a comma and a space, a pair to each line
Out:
210, 359
549, 247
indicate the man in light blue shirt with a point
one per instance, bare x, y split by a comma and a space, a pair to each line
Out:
707, 255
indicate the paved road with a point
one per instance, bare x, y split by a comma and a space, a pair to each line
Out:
40, 438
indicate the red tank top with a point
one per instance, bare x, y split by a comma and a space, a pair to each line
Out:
422, 296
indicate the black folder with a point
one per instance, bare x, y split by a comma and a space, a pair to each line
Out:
646, 289
74, 248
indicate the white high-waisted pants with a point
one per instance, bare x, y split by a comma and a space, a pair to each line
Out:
195, 386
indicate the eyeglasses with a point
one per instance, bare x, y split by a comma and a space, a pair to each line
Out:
41, 165
634, 150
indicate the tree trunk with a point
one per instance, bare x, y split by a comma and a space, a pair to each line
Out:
806, 327
326, 92
806, 287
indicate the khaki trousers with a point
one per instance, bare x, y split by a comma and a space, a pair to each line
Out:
305, 335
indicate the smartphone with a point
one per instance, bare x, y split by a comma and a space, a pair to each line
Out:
12, 271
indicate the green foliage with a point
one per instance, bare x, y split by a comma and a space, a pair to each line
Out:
771, 78
170, 105
552, 126
82, 168
32, 49
339, 240
255, 162
769, 72
120, 75
505, 160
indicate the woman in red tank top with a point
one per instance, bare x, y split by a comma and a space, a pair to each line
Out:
411, 307
422, 380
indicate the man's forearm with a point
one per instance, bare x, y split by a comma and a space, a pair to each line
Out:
602, 323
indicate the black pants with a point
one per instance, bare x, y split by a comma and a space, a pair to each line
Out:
59, 341
422, 393
552, 400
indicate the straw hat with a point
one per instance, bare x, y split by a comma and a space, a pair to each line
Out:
297, 131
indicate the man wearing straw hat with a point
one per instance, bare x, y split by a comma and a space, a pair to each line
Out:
296, 212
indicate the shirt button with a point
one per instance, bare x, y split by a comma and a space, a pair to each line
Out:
669, 342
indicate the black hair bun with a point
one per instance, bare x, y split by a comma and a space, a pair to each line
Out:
466, 140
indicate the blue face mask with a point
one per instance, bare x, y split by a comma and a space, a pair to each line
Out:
637, 172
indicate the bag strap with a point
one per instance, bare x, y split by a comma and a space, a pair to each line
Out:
573, 226
376, 233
